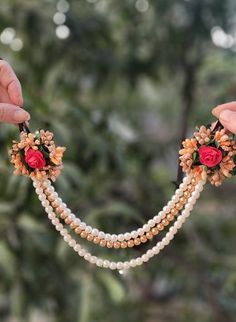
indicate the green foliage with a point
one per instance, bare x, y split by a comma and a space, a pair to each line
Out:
117, 92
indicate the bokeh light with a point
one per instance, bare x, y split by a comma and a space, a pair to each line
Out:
16, 44
142, 5
62, 32
59, 18
63, 6
222, 39
7, 35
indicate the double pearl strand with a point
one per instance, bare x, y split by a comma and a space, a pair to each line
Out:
129, 239
40, 186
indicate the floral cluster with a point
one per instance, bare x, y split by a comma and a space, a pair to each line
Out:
36, 155
209, 154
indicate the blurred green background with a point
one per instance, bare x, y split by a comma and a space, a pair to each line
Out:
120, 83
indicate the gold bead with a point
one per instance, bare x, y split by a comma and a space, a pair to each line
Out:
123, 244
193, 180
173, 211
50, 198
90, 237
137, 241
170, 217
149, 235
78, 230
182, 200
143, 239
155, 231
83, 234
165, 222
178, 205
96, 240
102, 243
160, 226
109, 244
59, 210
55, 204
73, 225
63, 215
116, 244
68, 221
190, 187
186, 194
130, 243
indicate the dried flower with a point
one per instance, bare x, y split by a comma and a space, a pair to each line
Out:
37, 156
210, 154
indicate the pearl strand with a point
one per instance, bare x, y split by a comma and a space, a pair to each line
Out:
133, 262
120, 237
148, 235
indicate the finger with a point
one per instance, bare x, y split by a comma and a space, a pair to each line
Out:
9, 80
228, 120
12, 114
227, 106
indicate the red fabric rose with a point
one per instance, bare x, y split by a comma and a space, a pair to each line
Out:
210, 156
35, 159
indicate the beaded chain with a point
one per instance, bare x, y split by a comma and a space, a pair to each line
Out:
209, 155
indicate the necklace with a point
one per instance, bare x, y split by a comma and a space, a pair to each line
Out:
209, 155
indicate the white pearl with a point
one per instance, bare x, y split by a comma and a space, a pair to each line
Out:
95, 232
151, 223
106, 263
38, 191
138, 261
145, 258
134, 234
82, 225
101, 235
88, 229
140, 231
59, 227
67, 238
72, 243
127, 236
121, 237
146, 228
113, 238
93, 259
173, 230
156, 250
112, 265
132, 263
77, 221
63, 232
51, 216
82, 252
87, 257
45, 203
77, 247
108, 237
126, 265
55, 221
120, 265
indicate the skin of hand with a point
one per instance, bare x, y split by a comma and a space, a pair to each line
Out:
11, 100
226, 113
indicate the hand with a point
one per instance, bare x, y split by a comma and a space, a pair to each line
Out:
226, 113
11, 98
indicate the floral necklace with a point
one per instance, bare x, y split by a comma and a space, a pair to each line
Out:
209, 155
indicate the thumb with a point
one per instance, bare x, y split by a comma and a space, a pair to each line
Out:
228, 119
10, 113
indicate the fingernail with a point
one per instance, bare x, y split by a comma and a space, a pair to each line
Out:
215, 110
226, 115
21, 116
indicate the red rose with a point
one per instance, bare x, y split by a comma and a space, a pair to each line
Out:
35, 159
210, 156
